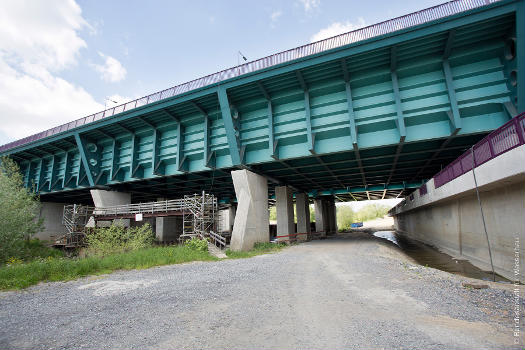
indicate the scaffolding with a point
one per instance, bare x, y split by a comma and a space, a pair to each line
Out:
75, 218
200, 217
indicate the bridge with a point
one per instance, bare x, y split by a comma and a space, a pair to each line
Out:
369, 114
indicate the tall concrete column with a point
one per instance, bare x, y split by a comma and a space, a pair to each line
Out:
227, 218
303, 216
52, 214
104, 199
251, 223
167, 228
332, 216
321, 217
284, 209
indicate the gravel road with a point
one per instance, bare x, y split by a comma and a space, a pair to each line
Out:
349, 292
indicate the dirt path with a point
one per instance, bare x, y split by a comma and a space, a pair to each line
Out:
353, 291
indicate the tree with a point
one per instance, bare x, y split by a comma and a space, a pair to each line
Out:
19, 209
345, 217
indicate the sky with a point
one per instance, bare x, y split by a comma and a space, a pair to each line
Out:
61, 60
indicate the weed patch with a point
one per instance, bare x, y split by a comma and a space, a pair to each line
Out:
20, 275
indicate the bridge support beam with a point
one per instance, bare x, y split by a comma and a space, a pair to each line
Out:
51, 213
284, 208
227, 218
321, 216
251, 223
332, 217
103, 199
167, 228
303, 216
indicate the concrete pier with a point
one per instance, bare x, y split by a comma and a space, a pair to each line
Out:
251, 219
321, 216
52, 214
168, 229
104, 199
303, 216
227, 218
284, 208
332, 216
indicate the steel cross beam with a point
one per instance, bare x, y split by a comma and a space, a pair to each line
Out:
351, 114
443, 145
309, 135
272, 143
207, 154
81, 144
231, 135
181, 158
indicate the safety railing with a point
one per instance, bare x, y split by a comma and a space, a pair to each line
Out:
501, 140
382, 28
142, 208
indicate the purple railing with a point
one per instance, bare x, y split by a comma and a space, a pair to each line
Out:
423, 189
389, 26
501, 140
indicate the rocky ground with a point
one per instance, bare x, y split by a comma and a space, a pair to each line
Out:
353, 291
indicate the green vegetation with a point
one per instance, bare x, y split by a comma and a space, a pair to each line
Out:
118, 239
346, 216
197, 244
19, 210
258, 249
18, 276
34, 249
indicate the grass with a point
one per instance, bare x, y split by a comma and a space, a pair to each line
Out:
36, 249
258, 249
45, 264
49, 269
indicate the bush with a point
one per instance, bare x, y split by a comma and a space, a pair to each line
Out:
345, 217
117, 239
372, 211
200, 245
19, 211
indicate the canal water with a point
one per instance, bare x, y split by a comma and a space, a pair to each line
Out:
429, 256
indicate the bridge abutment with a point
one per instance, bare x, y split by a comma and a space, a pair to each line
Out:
251, 219
449, 217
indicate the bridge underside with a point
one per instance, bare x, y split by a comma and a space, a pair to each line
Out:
370, 120
338, 174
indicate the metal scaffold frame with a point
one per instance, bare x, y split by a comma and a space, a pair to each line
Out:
75, 218
199, 213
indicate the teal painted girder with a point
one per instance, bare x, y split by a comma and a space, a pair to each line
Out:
367, 96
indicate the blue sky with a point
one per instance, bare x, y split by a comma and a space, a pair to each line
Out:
60, 59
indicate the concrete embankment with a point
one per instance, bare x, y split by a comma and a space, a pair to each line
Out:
449, 217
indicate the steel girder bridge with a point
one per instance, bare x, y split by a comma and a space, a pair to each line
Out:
364, 115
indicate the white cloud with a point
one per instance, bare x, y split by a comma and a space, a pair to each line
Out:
112, 70
309, 5
274, 16
337, 28
118, 99
38, 40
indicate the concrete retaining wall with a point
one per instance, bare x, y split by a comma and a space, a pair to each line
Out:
449, 217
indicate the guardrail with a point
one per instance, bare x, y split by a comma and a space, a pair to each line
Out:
382, 28
142, 208
501, 140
